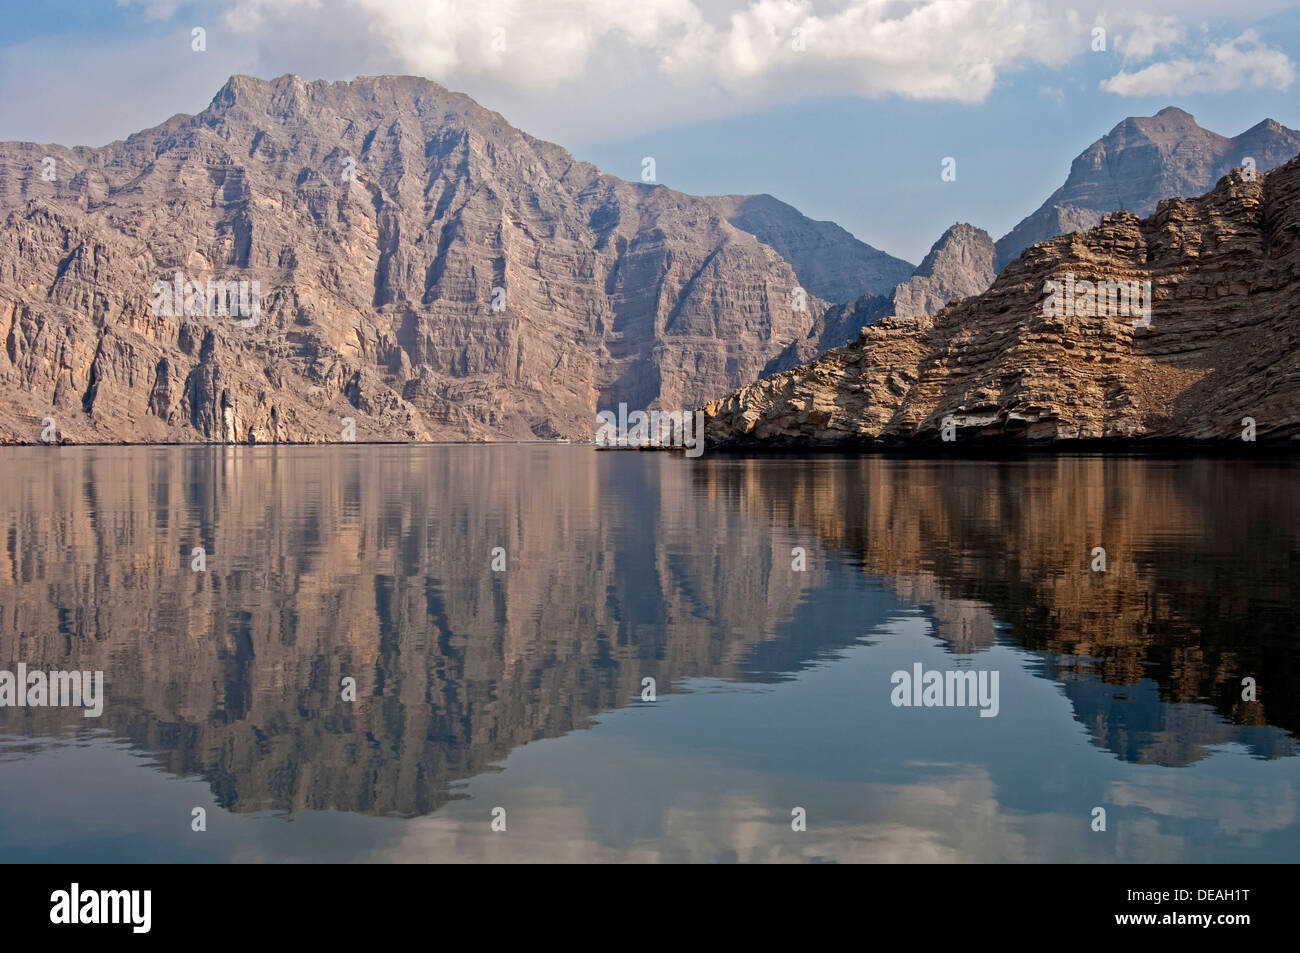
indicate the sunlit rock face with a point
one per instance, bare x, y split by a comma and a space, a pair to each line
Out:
1177, 328
422, 267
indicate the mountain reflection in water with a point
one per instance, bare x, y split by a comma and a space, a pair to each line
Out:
1120, 688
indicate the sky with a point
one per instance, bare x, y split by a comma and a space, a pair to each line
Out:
846, 109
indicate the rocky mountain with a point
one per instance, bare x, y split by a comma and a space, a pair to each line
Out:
958, 265
1180, 327
1140, 162
415, 264
830, 262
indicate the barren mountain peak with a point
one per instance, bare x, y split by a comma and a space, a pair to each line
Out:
1143, 160
421, 267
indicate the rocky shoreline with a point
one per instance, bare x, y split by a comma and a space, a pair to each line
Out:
1213, 362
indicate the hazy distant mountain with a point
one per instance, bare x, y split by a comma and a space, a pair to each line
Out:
958, 265
1141, 161
425, 269
1209, 354
830, 262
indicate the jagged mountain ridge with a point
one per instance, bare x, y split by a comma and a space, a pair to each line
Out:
383, 219
1143, 160
1140, 162
1217, 359
958, 265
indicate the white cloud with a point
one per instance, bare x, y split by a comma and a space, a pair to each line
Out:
542, 43
1227, 66
926, 49
1147, 33
938, 49
153, 9
585, 70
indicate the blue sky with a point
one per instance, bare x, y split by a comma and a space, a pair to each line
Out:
850, 127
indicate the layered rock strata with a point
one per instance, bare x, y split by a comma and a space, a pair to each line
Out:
1037, 359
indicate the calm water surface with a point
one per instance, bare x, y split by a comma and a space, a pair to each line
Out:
522, 689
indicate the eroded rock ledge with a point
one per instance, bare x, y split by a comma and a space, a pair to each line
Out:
1220, 347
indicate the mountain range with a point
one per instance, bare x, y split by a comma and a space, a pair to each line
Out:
1141, 161
423, 271
1177, 328
960, 264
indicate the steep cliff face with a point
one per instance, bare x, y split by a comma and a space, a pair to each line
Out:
1140, 162
423, 268
1032, 362
959, 264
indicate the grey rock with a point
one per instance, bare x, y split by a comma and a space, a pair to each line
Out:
1141, 161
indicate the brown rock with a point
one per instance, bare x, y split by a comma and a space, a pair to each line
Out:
1221, 346
424, 269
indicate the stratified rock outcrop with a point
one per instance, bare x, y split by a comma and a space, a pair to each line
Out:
1214, 360
423, 268
1141, 161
